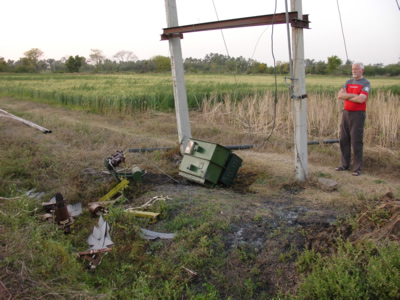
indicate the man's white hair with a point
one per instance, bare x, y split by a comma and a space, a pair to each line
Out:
360, 64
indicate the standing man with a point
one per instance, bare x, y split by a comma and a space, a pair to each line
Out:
354, 94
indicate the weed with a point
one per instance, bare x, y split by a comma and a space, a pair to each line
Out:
380, 181
276, 232
322, 175
257, 218
354, 272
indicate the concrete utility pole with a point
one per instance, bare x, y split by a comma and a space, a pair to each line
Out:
297, 20
300, 98
181, 104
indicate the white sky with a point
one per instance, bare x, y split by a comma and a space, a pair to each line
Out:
63, 28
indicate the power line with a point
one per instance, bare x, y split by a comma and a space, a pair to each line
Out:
344, 40
223, 37
276, 82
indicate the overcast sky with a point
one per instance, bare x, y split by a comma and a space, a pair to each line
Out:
62, 28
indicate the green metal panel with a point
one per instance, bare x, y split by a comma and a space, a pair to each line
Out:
208, 151
200, 170
231, 169
207, 163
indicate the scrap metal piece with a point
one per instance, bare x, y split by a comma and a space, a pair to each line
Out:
100, 238
75, 209
31, 194
50, 206
152, 235
115, 160
47, 217
61, 211
96, 208
144, 214
123, 184
100, 242
94, 256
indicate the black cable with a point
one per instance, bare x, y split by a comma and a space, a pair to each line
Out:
276, 82
344, 40
398, 4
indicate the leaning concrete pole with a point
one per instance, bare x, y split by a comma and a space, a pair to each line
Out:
181, 104
300, 100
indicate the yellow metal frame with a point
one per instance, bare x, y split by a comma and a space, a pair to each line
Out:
123, 184
145, 214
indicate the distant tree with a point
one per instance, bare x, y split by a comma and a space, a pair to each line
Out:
333, 63
51, 63
110, 66
96, 57
162, 63
282, 67
3, 65
242, 65
320, 67
124, 56
32, 56
258, 67
73, 64
310, 65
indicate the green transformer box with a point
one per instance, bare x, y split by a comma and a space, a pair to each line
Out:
209, 164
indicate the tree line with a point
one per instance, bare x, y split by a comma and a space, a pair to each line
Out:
127, 61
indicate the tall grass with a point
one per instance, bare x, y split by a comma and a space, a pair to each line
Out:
256, 114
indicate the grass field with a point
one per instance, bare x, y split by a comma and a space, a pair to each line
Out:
129, 93
245, 103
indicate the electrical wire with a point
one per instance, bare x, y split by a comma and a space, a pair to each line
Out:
258, 41
223, 37
276, 81
341, 24
397, 2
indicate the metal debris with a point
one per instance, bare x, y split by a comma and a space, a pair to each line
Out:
75, 209
62, 215
123, 184
100, 244
31, 194
152, 235
100, 238
99, 208
144, 214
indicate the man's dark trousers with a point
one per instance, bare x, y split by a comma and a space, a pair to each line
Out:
351, 135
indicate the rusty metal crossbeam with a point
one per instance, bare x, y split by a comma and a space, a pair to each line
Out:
237, 23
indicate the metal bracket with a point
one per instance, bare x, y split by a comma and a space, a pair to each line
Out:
300, 23
299, 97
166, 37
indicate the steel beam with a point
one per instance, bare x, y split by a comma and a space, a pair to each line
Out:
237, 23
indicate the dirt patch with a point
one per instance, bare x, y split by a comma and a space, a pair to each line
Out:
264, 236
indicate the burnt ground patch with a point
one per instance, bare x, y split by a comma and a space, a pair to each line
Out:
263, 238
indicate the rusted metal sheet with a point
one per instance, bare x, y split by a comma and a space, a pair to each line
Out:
237, 23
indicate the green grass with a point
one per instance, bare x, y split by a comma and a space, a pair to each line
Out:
364, 271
